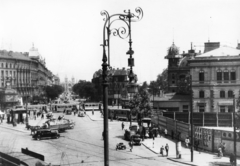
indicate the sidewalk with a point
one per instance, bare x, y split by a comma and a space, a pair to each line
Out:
201, 159
22, 127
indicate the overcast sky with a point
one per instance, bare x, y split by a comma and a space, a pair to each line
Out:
68, 33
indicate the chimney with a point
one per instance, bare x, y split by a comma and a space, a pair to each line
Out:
211, 46
238, 47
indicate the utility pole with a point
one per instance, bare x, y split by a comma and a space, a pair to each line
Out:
234, 132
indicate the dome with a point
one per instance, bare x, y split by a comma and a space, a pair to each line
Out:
172, 51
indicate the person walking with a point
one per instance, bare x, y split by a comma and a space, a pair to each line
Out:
165, 132
166, 148
42, 116
122, 125
131, 146
187, 142
93, 112
232, 159
223, 148
162, 150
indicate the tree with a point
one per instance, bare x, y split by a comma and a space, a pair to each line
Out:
85, 90
140, 104
162, 80
54, 91
143, 87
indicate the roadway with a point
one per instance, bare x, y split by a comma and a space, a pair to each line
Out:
82, 145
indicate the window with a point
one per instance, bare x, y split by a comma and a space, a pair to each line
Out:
201, 94
201, 75
2, 65
230, 94
226, 76
222, 94
230, 108
10, 65
222, 108
173, 76
185, 108
233, 75
219, 75
201, 108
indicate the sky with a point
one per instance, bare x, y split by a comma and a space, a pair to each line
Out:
69, 33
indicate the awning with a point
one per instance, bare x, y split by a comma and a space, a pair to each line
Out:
225, 103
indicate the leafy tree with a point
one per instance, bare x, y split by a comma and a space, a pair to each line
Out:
85, 89
54, 91
140, 104
162, 80
143, 87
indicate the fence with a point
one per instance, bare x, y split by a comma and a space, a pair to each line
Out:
203, 118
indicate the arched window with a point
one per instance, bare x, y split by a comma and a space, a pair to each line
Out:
230, 94
201, 75
201, 94
222, 94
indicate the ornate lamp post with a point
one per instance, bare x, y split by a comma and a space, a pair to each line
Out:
122, 32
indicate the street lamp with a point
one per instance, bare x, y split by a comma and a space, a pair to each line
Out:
122, 32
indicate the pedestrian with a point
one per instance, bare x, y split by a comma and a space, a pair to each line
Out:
93, 112
162, 150
42, 116
187, 142
1, 119
131, 146
122, 125
165, 132
232, 159
223, 148
166, 148
153, 140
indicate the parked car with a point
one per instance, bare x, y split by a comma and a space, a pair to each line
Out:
120, 146
136, 139
45, 133
81, 114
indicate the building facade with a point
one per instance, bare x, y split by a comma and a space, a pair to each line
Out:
27, 73
215, 78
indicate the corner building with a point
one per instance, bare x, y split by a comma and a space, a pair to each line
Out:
215, 78
27, 73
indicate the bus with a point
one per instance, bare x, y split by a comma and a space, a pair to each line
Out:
91, 106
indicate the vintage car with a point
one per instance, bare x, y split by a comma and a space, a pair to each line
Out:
68, 111
45, 133
81, 114
49, 115
133, 130
136, 139
120, 146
